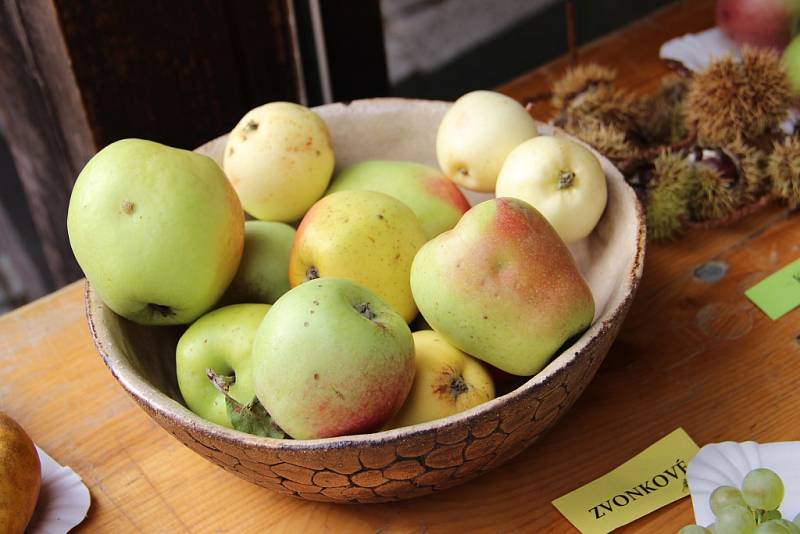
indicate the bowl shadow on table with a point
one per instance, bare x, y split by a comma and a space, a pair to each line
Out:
411, 461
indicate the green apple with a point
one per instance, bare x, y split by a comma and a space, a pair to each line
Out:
559, 177
363, 236
280, 160
435, 200
331, 359
791, 63
263, 274
502, 287
477, 133
447, 381
221, 340
158, 231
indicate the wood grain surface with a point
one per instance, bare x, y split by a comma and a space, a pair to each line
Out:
691, 354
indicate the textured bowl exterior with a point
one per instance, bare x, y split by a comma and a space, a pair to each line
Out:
410, 461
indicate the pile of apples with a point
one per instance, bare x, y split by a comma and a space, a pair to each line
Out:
303, 331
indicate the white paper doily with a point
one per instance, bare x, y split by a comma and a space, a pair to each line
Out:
63, 499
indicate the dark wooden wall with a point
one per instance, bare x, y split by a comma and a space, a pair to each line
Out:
75, 76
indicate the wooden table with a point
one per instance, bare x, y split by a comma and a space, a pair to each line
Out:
691, 354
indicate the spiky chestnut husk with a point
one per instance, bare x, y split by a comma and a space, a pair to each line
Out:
667, 201
606, 138
579, 79
750, 98
784, 169
614, 107
712, 196
663, 122
752, 162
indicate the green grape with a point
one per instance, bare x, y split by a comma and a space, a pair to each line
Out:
770, 515
693, 529
723, 496
776, 526
734, 519
796, 520
762, 489
790, 526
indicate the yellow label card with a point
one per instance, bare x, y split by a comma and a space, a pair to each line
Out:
653, 478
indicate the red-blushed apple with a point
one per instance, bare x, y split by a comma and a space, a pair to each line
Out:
764, 23
502, 286
434, 199
447, 381
363, 236
158, 231
220, 341
332, 359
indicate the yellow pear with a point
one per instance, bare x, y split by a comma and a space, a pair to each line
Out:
20, 476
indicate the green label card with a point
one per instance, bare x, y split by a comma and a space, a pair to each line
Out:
653, 478
779, 293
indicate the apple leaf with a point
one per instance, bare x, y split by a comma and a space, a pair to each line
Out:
251, 418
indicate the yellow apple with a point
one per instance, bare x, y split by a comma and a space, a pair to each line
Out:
559, 177
477, 134
447, 381
280, 160
367, 237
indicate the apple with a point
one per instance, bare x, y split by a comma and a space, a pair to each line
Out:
20, 476
280, 160
158, 231
221, 340
447, 381
263, 274
331, 359
559, 177
477, 133
435, 200
363, 236
502, 287
764, 23
791, 63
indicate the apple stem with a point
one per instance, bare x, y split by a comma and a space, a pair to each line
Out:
164, 311
365, 310
312, 273
222, 383
565, 180
458, 386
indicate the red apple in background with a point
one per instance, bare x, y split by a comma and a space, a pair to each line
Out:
764, 23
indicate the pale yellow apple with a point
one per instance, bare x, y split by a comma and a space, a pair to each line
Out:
559, 177
367, 237
447, 381
477, 133
280, 160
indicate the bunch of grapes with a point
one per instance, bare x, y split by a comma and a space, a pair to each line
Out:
753, 510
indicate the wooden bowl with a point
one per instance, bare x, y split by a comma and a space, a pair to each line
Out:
411, 461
